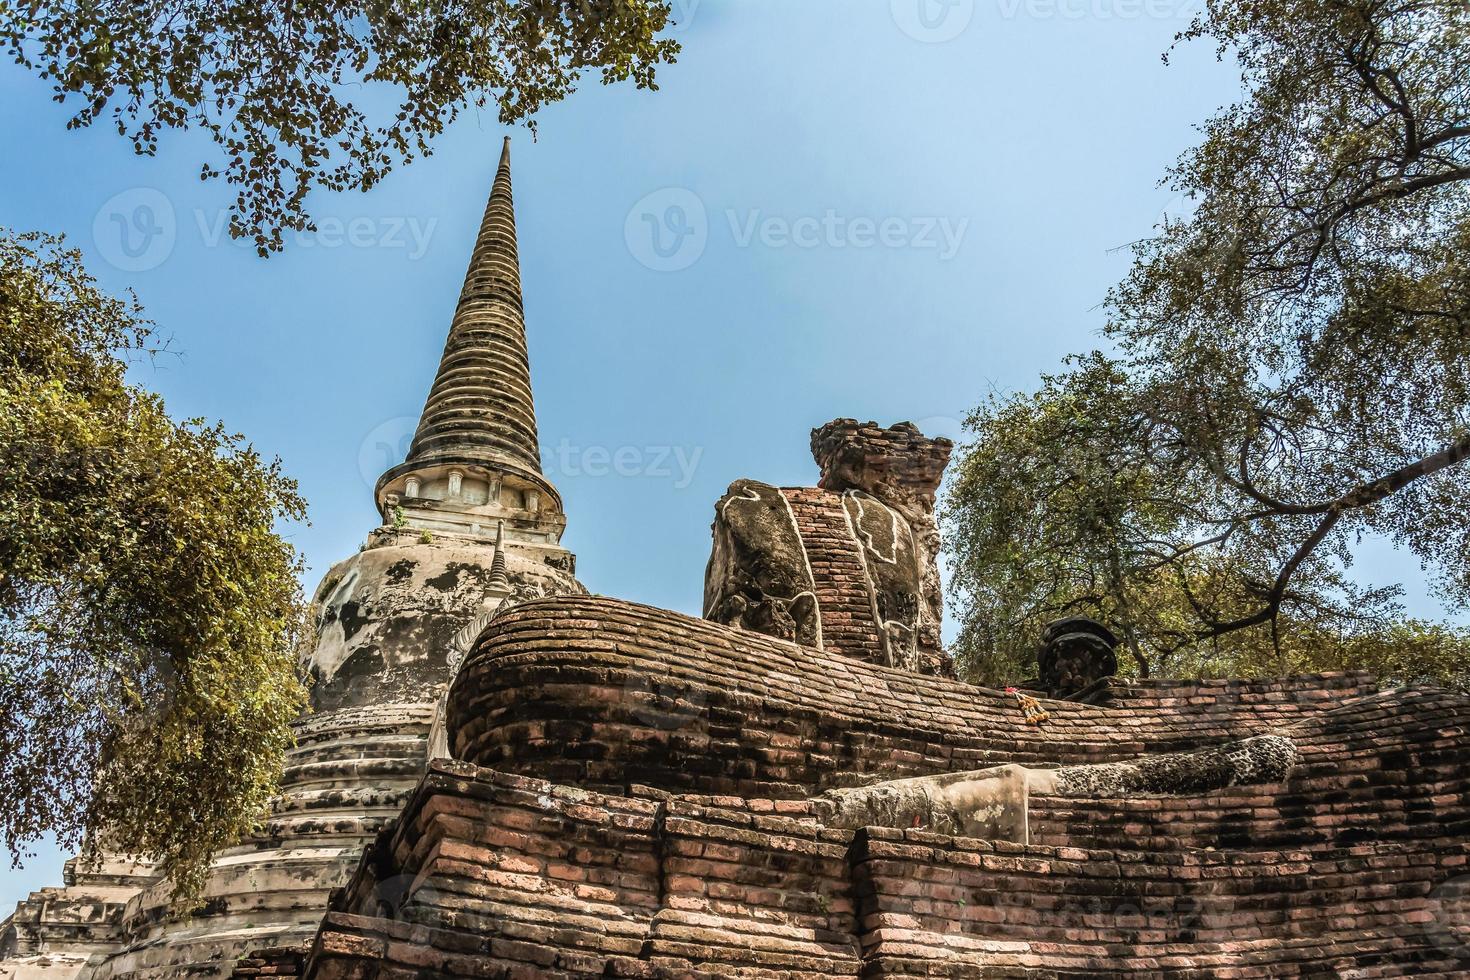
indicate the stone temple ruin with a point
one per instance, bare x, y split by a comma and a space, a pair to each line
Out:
504, 776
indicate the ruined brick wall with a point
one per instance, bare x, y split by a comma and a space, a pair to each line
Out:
850, 566
555, 882
504, 876
272, 961
1357, 865
902, 468
600, 693
1387, 767
846, 606
931, 902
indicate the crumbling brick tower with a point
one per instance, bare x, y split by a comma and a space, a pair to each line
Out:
848, 566
903, 468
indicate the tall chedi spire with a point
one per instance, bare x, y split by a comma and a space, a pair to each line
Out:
475, 458
471, 525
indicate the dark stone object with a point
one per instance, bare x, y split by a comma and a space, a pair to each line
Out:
1075, 653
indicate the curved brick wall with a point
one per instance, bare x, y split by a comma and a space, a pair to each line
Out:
601, 693
1389, 767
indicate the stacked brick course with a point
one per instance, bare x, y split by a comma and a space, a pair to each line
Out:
938, 906
844, 593
492, 875
488, 868
1354, 867
601, 693
1387, 767
273, 961
900, 466
861, 548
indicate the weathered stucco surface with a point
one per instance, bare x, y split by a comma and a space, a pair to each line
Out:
758, 576
388, 615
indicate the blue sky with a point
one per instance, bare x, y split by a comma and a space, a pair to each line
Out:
831, 208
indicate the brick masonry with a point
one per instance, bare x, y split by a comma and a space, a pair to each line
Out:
844, 592
903, 468
494, 875
861, 548
603, 694
698, 854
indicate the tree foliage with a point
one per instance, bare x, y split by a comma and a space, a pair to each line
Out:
1291, 372
289, 89
1054, 510
148, 608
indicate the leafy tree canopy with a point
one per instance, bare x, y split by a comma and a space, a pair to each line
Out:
287, 89
1291, 373
148, 608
